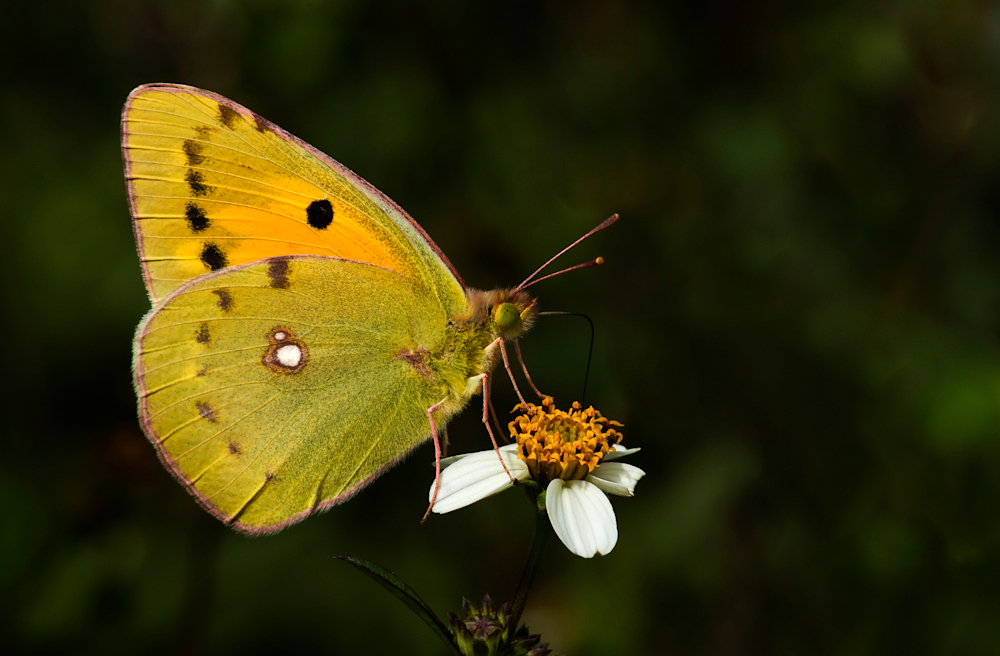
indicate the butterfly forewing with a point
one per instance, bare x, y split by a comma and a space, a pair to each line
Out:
214, 185
283, 386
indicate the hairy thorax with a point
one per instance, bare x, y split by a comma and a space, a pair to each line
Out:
470, 348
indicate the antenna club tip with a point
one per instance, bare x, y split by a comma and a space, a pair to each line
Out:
599, 260
605, 223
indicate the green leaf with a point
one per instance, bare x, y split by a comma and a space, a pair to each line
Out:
405, 594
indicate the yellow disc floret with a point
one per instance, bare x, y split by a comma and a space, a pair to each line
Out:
559, 444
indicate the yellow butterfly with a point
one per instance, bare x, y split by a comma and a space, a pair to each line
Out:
306, 333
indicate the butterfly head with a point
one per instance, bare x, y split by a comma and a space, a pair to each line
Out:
512, 313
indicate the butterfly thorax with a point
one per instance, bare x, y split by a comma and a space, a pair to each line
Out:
469, 348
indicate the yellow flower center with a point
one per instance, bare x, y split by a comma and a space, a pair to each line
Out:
559, 444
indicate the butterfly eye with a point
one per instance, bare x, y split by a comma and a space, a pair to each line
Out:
508, 319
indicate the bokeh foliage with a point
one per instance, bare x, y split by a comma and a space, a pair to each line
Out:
798, 320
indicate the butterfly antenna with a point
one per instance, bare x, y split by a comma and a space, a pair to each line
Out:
597, 261
604, 224
590, 352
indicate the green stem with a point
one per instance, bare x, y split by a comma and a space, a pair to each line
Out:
539, 539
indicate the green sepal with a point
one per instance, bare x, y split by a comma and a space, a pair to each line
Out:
405, 594
540, 501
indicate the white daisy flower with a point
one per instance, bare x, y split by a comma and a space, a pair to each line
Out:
571, 455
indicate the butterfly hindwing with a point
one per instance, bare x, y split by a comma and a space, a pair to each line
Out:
213, 185
280, 387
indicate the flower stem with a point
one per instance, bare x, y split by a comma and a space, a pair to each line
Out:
539, 539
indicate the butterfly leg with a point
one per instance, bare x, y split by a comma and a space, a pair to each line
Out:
524, 368
486, 422
506, 364
437, 455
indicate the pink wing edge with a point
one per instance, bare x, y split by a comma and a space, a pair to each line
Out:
174, 469
366, 188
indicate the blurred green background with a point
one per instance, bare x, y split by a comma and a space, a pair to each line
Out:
798, 321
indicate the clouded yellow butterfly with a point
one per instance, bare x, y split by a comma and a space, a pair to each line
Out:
306, 333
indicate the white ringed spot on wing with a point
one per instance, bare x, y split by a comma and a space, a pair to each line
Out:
288, 355
285, 354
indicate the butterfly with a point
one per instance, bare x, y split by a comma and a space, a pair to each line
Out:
306, 333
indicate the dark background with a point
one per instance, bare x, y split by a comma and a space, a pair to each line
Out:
798, 320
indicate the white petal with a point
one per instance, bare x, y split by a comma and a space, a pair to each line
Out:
475, 476
616, 478
582, 517
618, 451
451, 460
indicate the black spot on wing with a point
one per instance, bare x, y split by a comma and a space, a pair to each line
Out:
225, 301
234, 448
227, 115
203, 131
261, 124
196, 182
213, 257
203, 336
196, 218
277, 271
206, 411
319, 213
192, 152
